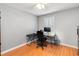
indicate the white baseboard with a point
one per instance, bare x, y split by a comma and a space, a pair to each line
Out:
68, 45
13, 48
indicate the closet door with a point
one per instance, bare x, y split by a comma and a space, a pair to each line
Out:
46, 21
49, 22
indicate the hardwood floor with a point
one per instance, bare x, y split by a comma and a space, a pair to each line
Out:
50, 50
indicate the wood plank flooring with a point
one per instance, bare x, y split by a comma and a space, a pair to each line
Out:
50, 50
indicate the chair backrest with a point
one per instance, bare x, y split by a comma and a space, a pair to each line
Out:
40, 34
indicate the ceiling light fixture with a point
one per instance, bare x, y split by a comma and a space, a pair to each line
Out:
40, 6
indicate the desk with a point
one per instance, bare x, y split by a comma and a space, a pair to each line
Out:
51, 39
33, 37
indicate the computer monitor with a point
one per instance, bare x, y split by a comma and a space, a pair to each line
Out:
47, 29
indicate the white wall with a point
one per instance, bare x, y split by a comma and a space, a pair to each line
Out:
65, 25
15, 25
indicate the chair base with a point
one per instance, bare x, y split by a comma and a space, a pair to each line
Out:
42, 46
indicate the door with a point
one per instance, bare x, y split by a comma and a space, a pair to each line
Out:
78, 38
0, 32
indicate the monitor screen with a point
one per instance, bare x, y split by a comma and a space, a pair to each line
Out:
47, 29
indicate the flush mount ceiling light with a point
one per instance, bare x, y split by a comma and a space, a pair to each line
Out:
40, 6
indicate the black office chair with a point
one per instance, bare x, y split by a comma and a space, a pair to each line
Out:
41, 41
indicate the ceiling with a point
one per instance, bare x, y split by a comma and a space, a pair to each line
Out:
50, 7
